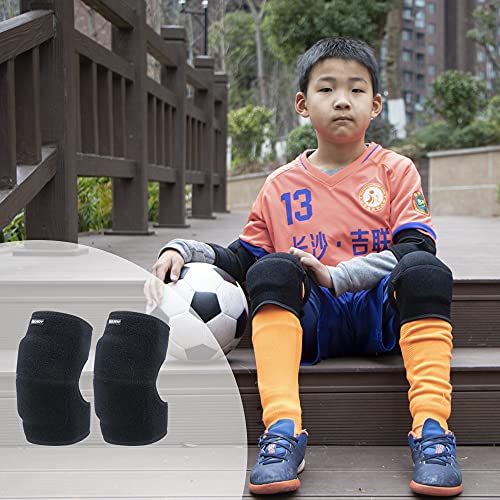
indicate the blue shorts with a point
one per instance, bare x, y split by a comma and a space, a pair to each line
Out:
360, 323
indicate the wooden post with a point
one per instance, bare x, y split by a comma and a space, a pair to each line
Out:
203, 194
220, 191
172, 211
28, 135
130, 196
7, 126
53, 213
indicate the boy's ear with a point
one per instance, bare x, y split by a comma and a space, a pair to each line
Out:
300, 105
376, 106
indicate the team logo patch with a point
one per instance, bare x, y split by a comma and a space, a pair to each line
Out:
419, 203
373, 196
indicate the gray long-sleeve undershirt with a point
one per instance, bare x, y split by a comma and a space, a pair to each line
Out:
354, 275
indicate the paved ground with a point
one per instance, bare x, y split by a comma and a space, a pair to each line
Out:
469, 245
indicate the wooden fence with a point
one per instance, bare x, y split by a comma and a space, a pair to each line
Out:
70, 107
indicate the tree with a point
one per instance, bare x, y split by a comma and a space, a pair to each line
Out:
395, 104
258, 14
8, 9
295, 25
457, 97
234, 35
485, 31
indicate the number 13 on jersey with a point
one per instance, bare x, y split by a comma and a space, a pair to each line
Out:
301, 201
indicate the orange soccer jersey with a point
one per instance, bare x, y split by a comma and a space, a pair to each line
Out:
352, 213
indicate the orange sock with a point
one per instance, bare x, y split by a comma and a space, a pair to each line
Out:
277, 343
426, 346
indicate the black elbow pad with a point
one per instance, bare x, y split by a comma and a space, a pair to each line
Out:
412, 240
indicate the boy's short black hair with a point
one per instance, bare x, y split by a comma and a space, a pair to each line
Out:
349, 49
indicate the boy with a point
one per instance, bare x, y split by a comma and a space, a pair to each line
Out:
339, 259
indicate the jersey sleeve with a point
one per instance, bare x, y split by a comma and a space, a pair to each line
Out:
256, 236
409, 208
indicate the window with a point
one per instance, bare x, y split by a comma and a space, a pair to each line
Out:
482, 75
431, 28
420, 19
420, 81
420, 40
480, 56
431, 49
407, 55
431, 8
431, 69
409, 3
419, 3
407, 76
407, 35
420, 60
407, 14
408, 95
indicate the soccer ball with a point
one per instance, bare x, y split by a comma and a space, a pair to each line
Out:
206, 310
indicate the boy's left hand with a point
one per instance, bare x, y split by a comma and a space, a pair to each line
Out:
318, 270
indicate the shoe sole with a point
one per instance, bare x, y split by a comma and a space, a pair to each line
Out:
278, 487
435, 491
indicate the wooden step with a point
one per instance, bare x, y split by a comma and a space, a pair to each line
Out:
384, 472
363, 401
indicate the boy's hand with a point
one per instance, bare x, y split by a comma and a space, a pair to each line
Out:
318, 270
169, 261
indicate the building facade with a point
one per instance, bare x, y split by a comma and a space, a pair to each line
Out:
434, 39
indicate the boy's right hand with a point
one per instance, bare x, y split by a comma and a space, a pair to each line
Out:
169, 261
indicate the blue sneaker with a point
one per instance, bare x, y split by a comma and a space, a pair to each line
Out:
436, 472
280, 460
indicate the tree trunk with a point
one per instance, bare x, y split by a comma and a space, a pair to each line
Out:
395, 103
392, 72
258, 16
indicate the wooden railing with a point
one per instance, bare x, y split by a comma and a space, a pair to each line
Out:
70, 107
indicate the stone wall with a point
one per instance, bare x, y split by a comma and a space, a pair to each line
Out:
459, 182
243, 189
465, 181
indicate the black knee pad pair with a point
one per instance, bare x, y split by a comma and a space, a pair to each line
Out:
423, 286
279, 279
128, 357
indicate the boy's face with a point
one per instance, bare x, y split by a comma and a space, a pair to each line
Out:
340, 101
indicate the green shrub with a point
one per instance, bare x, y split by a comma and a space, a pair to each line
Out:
478, 133
153, 201
94, 203
15, 231
381, 132
249, 128
299, 139
457, 97
493, 112
434, 137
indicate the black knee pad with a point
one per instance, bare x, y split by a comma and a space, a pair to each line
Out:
127, 360
423, 286
277, 279
50, 359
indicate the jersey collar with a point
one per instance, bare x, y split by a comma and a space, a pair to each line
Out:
331, 180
